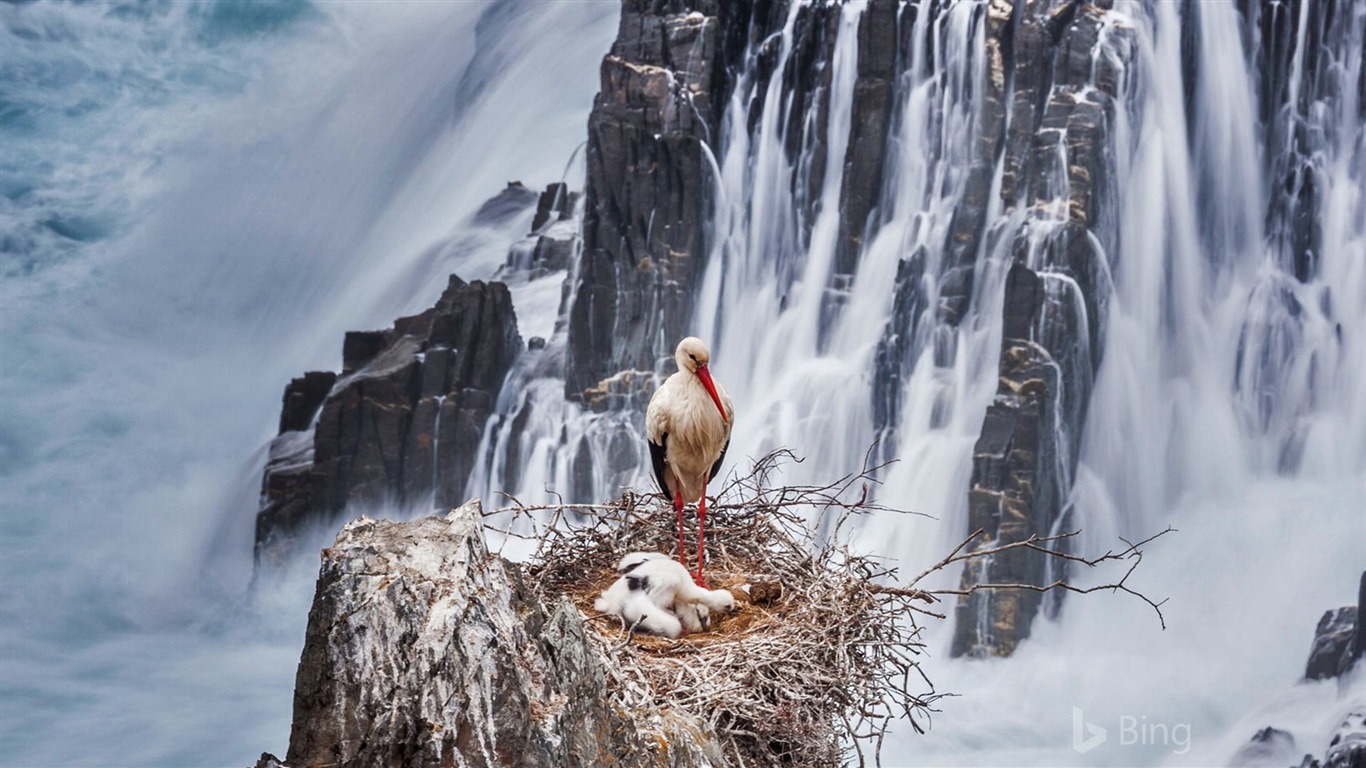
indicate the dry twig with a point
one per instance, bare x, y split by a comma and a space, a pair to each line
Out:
797, 679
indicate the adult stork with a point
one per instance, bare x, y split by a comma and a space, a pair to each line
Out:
688, 426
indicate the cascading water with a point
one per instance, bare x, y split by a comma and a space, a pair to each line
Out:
1218, 384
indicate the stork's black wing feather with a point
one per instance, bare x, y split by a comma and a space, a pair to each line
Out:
657, 459
716, 468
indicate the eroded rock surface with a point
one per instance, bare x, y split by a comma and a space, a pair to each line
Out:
1339, 640
402, 422
423, 649
664, 87
1060, 67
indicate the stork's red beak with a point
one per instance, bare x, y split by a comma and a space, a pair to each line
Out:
705, 376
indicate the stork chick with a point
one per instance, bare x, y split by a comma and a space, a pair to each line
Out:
658, 595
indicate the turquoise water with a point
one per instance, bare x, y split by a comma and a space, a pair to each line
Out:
196, 201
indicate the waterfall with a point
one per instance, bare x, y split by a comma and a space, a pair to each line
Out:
197, 200
436, 445
1209, 373
202, 198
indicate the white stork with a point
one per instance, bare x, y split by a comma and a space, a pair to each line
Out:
688, 426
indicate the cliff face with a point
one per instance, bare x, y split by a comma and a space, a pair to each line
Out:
1025, 97
1061, 102
400, 423
424, 649
648, 199
664, 85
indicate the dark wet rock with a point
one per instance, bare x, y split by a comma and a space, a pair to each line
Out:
1268, 748
360, 347
627, 390
556, 203
866, 154
806, 87
423, 649
512, 201
968, 223
1335, 640
550, 250
1347, 749
552, 242
1016, 488
286, 485
664, 87
894, 352
1298, 44
1061, 103
286, 496
303, 397
646, 199
401, 424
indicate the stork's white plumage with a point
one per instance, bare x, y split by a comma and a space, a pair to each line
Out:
688, 426
657, 595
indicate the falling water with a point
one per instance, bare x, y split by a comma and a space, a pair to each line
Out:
1227, 393
289, 176
436, 442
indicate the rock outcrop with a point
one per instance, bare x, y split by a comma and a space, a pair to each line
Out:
1274, 748
1347, 748
1339, 640
1016, 484
1061, 102
1268, 747
401, 423
550, 247
423, 649
665, 84
1299, 41
1334, 641
865, 157
646, 197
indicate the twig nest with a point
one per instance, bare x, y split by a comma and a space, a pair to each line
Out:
814, 661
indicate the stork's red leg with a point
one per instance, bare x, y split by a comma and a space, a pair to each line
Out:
701, 527
678, 505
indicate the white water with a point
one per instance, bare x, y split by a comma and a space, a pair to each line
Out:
200, 199
1181, 430
1263, 548
245, 204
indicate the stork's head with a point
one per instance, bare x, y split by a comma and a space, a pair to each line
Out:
692, 356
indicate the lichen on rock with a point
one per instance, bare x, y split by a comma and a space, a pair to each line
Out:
423, 648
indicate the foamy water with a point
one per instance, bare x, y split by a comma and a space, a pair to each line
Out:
202, 198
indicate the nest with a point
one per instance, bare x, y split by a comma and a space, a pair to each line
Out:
819, 657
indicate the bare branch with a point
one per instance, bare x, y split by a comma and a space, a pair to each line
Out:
801, 678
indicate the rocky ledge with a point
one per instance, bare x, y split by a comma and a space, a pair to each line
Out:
1339, 644
1274, 747
401, 422
1339, 640
423, 648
